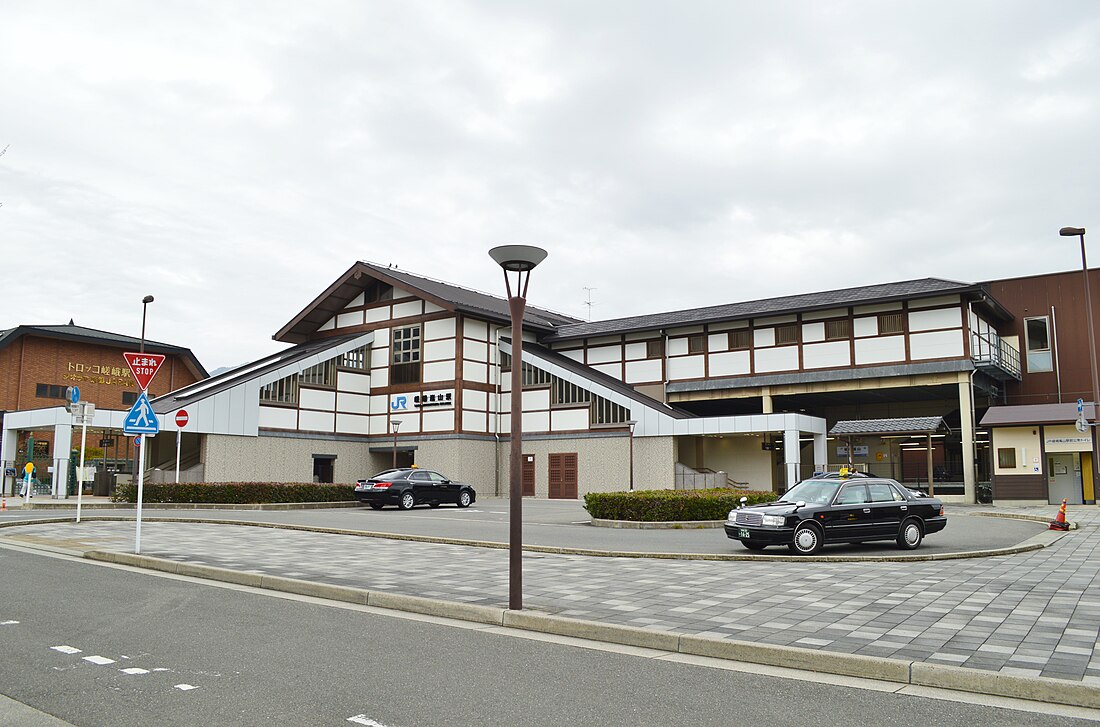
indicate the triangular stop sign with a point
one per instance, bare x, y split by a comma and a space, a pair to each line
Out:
144, 366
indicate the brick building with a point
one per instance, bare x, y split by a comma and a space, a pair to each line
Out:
38, 364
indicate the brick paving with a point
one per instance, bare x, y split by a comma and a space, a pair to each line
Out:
1031, 614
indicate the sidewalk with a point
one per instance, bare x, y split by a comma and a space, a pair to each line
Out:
1034, 614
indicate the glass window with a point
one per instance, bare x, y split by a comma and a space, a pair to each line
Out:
890, 323
882, 492
357, 358
420, 477
1006, 458
836, 330
655, 349
283, 391
786, 335
740, 340
697, 344
405, 358
129, 397
1037, 333
852, 495
323, 374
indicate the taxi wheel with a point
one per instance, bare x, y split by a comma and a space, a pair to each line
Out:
407, 501
806, 539
464, 499
910, 535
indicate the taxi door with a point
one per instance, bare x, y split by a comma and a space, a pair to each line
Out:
849, 519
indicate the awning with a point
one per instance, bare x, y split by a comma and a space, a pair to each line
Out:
1002, 416
881, 427
387, 450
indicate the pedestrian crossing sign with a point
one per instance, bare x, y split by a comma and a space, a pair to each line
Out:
141, 419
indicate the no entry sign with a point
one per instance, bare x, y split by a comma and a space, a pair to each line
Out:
144, 366
181, 418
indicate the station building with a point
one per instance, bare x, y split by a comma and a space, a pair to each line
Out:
386, 366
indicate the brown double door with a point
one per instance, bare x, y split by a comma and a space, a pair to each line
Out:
528, 479
563, 476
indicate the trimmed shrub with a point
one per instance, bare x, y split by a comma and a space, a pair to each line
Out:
669, 505
236, 493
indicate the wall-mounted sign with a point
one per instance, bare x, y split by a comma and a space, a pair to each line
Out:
445, 398
858, 450
399, 402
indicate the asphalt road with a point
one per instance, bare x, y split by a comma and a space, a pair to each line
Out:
565, 523
219, 656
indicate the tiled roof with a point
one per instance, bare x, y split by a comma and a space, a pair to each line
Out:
907, 425
766, 307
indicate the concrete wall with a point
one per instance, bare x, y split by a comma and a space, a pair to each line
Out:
603, 463
466, 460
283, 459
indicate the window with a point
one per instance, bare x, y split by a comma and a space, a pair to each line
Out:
655, 349
740, 340
1006, 458
697, 344
129, 397
323, 374
50, 391
786, 335
890, 323
535, 377
607, 412
882, 492
837, 330
852, 495
1037, 333
567, 393
505, 361
405, 359
356, 359
283, 391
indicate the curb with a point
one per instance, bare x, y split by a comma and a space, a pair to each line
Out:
1034, 543
1042, 689
657, 525
1019, 516
71, 505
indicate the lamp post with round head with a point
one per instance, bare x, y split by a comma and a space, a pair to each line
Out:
632, 423
520, 260
1080, 232
144, 307
395, 424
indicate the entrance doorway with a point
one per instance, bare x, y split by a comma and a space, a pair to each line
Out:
563, 476
528, 479
1064, 479
323, 467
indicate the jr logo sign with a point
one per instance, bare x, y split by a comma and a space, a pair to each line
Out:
399, 403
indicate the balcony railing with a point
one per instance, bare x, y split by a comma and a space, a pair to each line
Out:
994, 356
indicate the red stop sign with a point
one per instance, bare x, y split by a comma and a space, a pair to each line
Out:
181, 418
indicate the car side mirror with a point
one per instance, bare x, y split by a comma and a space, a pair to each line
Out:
743, 501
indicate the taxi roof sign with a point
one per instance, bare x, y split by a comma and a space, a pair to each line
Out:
144, 366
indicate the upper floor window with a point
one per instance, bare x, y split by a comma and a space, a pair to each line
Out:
890, 323
786, 335
837, 330
740, 339
655, 349
283, 391
356, 358
1037, 333
405, 359
697, 344
322, 374
129, 398
49, 391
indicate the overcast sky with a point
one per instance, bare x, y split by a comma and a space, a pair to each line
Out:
234, 158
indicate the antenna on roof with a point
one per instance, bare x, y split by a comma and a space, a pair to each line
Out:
589, 302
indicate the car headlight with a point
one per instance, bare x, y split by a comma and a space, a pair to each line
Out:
774, 520
732, 516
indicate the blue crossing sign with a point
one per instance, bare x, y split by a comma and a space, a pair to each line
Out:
141, 419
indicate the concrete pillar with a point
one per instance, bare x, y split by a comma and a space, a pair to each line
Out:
821, 452
8, 439
766, 400
62, 444
792, 456
966, 416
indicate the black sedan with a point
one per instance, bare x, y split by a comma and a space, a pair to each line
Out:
410, 487
819, 511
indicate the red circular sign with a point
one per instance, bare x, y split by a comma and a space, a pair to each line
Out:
181, 418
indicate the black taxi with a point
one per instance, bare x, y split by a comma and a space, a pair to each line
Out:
825, 510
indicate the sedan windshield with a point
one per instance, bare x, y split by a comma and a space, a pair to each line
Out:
820, 491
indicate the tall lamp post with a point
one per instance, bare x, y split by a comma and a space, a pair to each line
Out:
518, 259
632, 423
395, 424
1080, 232
144, 307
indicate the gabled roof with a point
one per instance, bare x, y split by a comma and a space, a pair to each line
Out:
907, 425
228, 379
445, 295
73, 332
1037, 414
862, 295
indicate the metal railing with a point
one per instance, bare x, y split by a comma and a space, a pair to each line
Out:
992, 350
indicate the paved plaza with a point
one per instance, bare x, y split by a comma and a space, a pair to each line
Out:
1030, 614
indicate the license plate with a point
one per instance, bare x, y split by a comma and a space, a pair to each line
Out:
742, 533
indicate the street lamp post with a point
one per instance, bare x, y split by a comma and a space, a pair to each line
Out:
144, 307
1080, 232
518, 259
395, 424
632, 423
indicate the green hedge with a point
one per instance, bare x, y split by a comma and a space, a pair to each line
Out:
669, 505
238, 493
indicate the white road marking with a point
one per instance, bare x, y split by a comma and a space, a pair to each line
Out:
65, 649
101, 660
162, 668
8, 623
365, 720
185, 687
134, 670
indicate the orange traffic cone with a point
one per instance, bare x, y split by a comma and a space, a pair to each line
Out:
3, 504
1059, 522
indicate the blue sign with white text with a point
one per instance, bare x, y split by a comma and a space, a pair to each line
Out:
141, 419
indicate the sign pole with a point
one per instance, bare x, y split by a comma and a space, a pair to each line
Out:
80, 472
178, 431
141, 489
